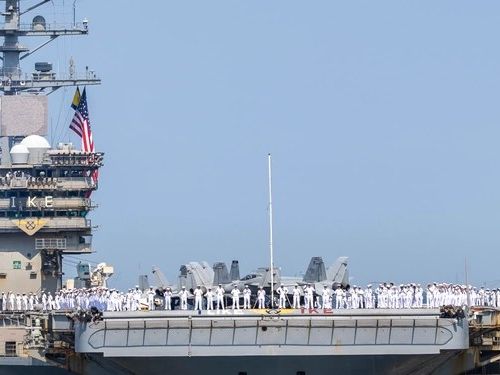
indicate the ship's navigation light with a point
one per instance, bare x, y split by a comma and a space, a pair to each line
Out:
38, 23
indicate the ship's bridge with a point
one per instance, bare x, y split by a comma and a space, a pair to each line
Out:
45, 197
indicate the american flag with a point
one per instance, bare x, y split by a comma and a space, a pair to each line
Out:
81, 122
81, 125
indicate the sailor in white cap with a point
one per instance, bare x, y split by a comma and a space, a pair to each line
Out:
18, 302
325, 298
368, 295
210, 299
296, 297
309, 294
219, 293
235, 293
151, 298
168, 298
282, 292
198, 298
261, 296
44, 301
339, 298
24, 302
183, 295
246, 297
136, 298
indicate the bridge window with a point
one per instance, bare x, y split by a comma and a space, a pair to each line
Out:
10, 349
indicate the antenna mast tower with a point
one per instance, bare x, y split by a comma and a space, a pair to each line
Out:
12, 80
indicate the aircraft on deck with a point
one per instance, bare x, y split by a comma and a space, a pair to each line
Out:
193, 274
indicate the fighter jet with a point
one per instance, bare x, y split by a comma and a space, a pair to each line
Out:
193, 274
316, 274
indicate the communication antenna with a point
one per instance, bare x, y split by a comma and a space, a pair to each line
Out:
271, 228
74, 13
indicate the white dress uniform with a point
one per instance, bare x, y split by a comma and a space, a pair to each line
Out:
151, 299
168, 299
296, 297
235, 293
50, 302
12, 301
325, 299
339, 298
24, 302
261, 298
368, 297
19, 306
310, 297
246, 297
210, 299
57, 301
198, 298
220, 297
282, 292
136, 300
183, 294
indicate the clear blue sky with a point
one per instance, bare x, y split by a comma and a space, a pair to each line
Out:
382, 118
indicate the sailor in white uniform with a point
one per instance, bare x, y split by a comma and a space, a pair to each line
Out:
198, 298
296, 297
168, 299
282, 292
261, 296
183, 295
309, 293
325, 298
235, 293
44, 302
339, 298
246, 297
18, 302
151, 298
220, 297
210, 299
24, 301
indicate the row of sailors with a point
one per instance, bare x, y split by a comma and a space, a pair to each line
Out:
386, 295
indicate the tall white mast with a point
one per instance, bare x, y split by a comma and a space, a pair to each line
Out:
271, 229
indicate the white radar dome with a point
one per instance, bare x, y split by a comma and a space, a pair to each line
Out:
19, 154
35, 141
37, 147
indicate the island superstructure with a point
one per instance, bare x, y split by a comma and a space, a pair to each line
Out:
45, 199
44, 190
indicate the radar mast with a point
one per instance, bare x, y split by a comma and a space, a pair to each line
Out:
42, 80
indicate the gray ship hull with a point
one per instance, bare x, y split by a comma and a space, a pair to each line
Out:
450, 362
260, 342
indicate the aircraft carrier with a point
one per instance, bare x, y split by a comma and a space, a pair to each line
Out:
45, 199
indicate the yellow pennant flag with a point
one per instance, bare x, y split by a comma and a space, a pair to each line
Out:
76, 99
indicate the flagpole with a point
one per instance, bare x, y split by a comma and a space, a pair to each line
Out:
271, 228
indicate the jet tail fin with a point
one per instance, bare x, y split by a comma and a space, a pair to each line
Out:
338, 272
221, 275
316, 271
234, 274
143, 282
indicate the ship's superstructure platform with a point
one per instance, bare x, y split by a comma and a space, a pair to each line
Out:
268, 333
302, 341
